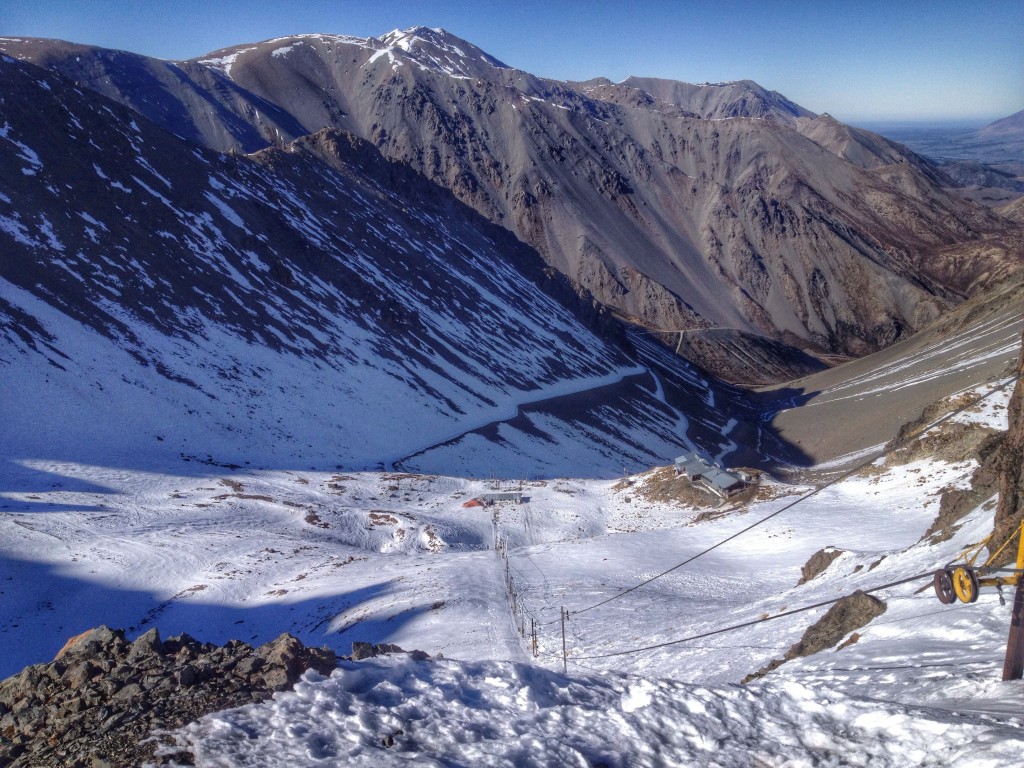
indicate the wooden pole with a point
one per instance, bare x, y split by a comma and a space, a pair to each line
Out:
1013, 666
565, 653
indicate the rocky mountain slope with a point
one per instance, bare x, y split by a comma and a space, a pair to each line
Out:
682, 207
311, 304
1014, 210
1009, 464
708, 101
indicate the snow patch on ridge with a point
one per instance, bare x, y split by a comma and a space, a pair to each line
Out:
226, 61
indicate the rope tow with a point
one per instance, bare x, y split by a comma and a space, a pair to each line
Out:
751, 623
972, 553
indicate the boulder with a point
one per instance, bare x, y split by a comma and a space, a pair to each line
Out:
286, 658
362, 650
92, 642
146, 644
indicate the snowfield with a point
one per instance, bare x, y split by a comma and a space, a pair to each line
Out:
441, 713
396, 557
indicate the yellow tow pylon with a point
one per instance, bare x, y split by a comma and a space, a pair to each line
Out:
964, 582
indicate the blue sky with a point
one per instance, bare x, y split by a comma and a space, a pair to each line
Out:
861, 61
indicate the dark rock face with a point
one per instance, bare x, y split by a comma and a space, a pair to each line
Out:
1009, 463
102, 696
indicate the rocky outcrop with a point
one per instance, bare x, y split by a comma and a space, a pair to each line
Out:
817, 563
846, 615
1009, 464
362, 650
934, 436
102, 698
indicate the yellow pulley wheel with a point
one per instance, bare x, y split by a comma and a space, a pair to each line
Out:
965, 584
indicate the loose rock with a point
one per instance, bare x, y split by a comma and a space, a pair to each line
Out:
102, 697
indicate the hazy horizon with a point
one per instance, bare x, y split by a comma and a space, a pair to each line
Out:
949, 124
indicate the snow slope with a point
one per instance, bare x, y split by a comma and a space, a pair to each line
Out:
396, 557
500, 714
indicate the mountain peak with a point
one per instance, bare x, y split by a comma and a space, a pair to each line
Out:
426, 33
437, 48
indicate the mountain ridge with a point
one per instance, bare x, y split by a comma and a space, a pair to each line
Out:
313, 303
661, 215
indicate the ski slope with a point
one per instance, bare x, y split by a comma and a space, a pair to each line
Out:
395, 557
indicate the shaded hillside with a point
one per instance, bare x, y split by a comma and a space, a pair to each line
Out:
315, 304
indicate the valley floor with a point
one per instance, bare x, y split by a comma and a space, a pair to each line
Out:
391, 557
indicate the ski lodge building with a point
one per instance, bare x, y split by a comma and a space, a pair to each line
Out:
710, 476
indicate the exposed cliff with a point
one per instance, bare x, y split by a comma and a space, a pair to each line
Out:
1009, 463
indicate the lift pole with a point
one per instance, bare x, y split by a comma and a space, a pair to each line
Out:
565, 654
1013, 666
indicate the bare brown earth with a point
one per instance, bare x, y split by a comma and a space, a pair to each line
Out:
841, 414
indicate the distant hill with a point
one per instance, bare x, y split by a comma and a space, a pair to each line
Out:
1000, 144
1012, 127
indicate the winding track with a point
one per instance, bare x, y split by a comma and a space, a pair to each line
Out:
569, 389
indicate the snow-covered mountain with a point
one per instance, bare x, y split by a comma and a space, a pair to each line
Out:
396, 557
315, 305
681, 206
256, 359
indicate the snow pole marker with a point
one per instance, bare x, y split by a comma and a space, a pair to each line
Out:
565, 653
